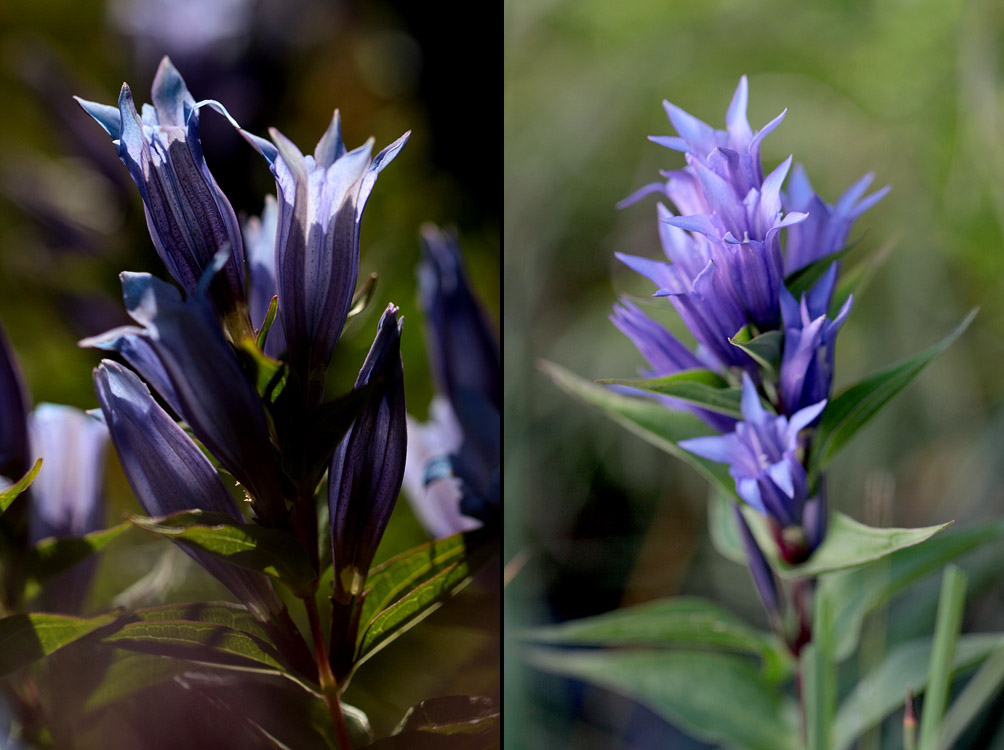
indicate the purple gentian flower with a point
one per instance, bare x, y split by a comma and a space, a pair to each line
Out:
195, 370
259, 243
169, 474
367, 467
809, 341
825, 230
189, 217
763, 458
66, 497
321, 202
14, 446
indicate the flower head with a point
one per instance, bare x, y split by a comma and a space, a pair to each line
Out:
763, 457
189, 217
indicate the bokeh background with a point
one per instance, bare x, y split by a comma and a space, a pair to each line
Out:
71, 220
911, 91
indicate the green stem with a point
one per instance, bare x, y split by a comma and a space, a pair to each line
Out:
324, 675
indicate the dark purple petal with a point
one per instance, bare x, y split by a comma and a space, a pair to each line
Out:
367, 468
14, 400
763, 576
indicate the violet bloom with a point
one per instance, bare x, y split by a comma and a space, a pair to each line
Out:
825, 230
169, 474
259, 242
66, 496
14, 447
321, 202
763, 458
365, 474
809, 342
181, 351
189, 218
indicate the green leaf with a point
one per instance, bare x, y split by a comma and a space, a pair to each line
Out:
129, 673
703, 388
51, 557
820, 678
266, 326
389, 582
274, 552
848, 543
680, 622
978, 692
226, 614
8, 495
858, 591
802, 280
851, 410
270, 374
716, 697
196, 641
362, 298
946, 635
765, 349
882, 691
646, 418
24, 639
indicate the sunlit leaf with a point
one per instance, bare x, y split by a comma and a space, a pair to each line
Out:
51, 557
8, 495
26, 638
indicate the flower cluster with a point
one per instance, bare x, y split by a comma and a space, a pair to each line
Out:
728, 276
243, 366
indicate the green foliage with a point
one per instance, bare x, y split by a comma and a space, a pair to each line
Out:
679, 622
24, 639
850, 411
50, 557
273, 552
717, 697
8, 495
765, 349
703, 388
802, 280
820, 675
656, 424
979, 691
946, 635
266, 325
848, 543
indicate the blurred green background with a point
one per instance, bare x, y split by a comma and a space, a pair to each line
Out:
71, 220
911, 91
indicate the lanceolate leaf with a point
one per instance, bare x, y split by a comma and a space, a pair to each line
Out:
52, 556
680, 622
701, 387
720, 698
765, 348
651, 421
24, 639
851, 410
226, 614
388, 582
8, 495
273, 552
802, 280
848, 543
196, 641
882, 691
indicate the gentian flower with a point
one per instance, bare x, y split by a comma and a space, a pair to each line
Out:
189, 217
321, 202
809, 341
366, 469
259, 242
763, 457
825, 230
453, 463
14, 446
66, 496
204, 382
169, 474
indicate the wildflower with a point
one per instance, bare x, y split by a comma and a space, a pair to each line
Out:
321, 202
189, 218
763, 454
367, 467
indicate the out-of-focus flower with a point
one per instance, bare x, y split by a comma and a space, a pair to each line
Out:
367, 467
763, 457
204, 382
14, 449
825, 230
809, 342
189, 217
66, 496
259, 245
763, 576
321, 202
453, 462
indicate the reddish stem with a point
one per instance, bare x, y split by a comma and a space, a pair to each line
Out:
324, 675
